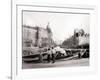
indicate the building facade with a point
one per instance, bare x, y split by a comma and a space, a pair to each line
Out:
37, 36
77, 39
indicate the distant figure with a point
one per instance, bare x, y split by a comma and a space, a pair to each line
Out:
40, 55
53, 54
49, 55
79, 55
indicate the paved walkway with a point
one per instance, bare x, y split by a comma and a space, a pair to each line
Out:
59, 63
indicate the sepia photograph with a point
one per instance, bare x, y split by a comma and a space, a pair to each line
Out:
55, 39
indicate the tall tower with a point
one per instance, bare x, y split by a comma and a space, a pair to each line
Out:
37, 36
49, 32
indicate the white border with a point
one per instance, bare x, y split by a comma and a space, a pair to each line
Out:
17, 71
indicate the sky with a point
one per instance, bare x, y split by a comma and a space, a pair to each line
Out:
61, 24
